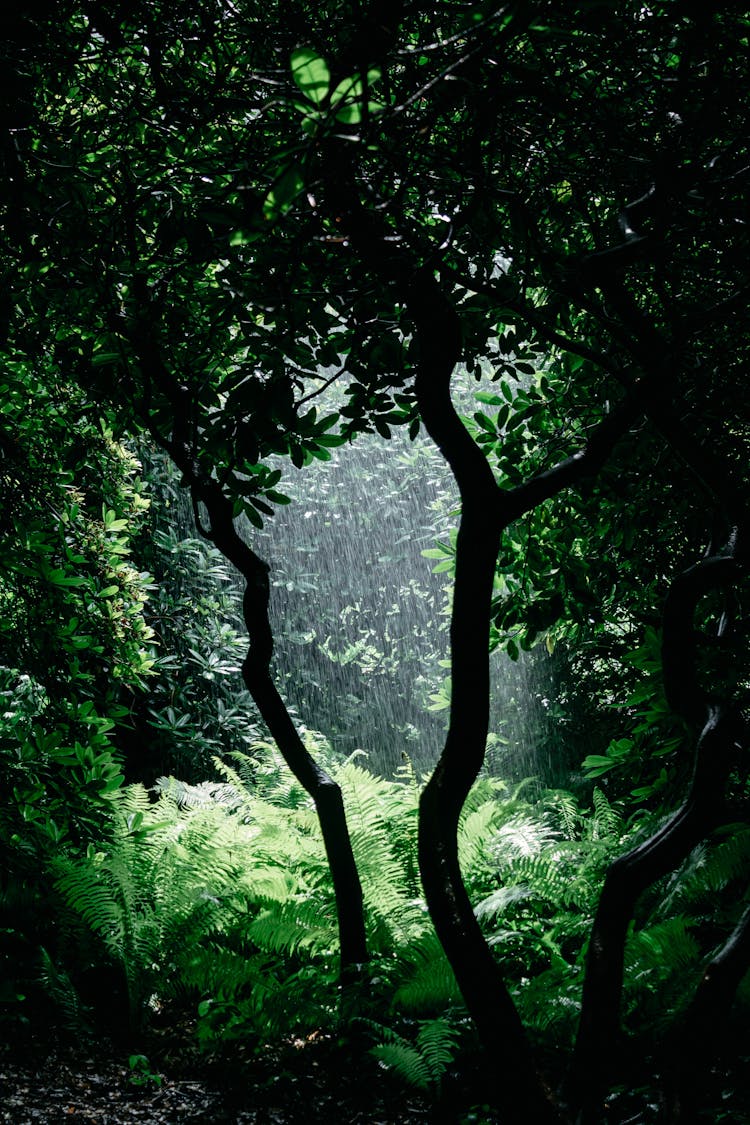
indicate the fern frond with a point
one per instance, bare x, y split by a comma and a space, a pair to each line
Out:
60, 989
606, 821
499, 901
291, 929
551, 999
437, 1042
714, 867
198, 796
564, 807
87, 892
476, 832
429, 984
522, 835
665, 946
423, 1063
403, 1059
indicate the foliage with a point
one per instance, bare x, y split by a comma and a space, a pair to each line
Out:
74, 647
423, 1061
206, 227
218, 894
73, 639
196, 707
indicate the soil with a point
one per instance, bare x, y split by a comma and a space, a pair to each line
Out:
311, 1081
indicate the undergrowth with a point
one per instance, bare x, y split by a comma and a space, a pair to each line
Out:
216, 897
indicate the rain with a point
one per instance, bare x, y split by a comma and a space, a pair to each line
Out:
361, 619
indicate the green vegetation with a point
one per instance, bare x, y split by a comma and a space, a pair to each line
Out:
243, 245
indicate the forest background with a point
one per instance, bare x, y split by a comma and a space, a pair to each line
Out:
239, 247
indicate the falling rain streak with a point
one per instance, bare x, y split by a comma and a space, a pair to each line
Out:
361, 618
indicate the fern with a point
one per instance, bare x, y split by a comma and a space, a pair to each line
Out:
661, 948
427, 982
204, 794
58, 986
606, 823
550, 1001
293, 929
424, 1062
405, 1060
709, 870
382, 820
170, 878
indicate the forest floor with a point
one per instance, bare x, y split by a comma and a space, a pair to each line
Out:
313, 1081
91, 1081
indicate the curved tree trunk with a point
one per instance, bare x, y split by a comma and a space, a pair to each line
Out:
630, 874
696, 1042
256, 673
518, 1090
256, 668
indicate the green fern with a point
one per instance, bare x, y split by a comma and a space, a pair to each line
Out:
662, 947
424, 1062
59, 988
405, 1060
427, 982
710, 868
382, 818
170, 877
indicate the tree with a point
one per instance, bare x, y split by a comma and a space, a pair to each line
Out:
74, 644
240, 219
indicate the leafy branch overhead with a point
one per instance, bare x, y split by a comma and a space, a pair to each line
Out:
247, 236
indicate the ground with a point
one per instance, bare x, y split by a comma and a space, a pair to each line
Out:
92, 1082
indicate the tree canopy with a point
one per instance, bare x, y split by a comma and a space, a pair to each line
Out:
259, 232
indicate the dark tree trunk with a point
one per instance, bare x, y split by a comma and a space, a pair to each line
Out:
518, 1090
322, 788
256, 668
629, 875
699, 1038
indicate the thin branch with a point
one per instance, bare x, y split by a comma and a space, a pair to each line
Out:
585, 463
532, 317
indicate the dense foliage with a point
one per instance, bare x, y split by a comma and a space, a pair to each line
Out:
249, 236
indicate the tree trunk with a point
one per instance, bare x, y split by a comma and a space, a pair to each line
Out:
629, 875
322, 788
516, 1085
699, 1037
256, 668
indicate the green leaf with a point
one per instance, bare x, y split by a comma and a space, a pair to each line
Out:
353, 88
597, 764
243, 237
283, 193
311, 74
